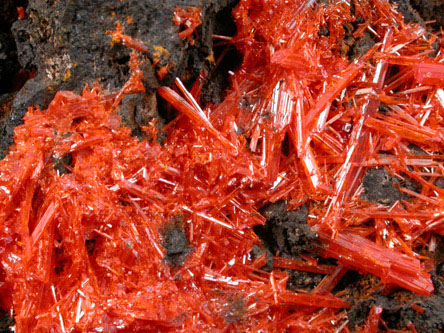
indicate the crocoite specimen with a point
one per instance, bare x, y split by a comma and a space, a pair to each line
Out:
189, 19
83, 248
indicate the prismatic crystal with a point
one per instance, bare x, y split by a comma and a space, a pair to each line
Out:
102, 232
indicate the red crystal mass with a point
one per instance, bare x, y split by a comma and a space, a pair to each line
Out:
189, 18
83, 249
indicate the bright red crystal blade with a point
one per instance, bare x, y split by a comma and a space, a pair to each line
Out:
313, 300
358, 151
298, 265
189, 18
183, 106
119, 37
390, 266
44, 221
429, 74
373, 318
329, 282
323, 103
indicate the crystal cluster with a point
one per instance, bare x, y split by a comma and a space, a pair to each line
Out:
103, 232
189, 19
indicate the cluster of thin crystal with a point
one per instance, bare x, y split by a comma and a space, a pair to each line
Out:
189, 18
84, 250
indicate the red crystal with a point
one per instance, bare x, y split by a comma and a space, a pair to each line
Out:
84, 250
119, 37
189, 19
372, 323
429, 73
21, 13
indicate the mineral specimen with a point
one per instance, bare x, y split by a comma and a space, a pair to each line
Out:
92, 248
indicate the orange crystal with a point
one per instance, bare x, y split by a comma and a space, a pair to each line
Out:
86, 249
189, 19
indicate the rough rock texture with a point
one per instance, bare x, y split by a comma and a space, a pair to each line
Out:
66, 42
364, 291
175, 242
286, 232
8, 62
9, 65
5, 322
381, 187
409, 13
398, 311
430, 10
218, 80
361, 46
